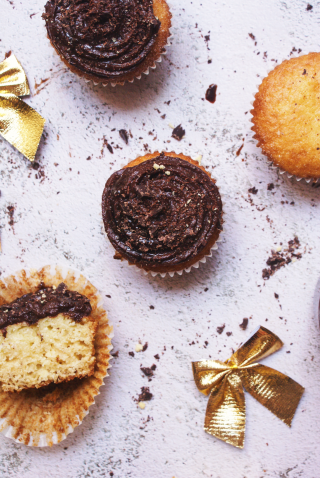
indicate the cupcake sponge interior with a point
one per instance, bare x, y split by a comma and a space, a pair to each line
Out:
55, 349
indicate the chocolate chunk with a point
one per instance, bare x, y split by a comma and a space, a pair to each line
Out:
124, 135
178, 132
211, 93
221, 329
244, 324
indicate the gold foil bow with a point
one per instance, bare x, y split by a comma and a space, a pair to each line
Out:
20, 124
224, 381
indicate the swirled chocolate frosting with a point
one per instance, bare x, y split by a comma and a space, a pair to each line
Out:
161, 212
104, 38
47, 302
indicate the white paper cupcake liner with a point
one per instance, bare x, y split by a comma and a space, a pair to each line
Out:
21, 411
269, 161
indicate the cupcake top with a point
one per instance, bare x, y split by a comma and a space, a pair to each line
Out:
162, 211
286, 116
47, 302
104, 38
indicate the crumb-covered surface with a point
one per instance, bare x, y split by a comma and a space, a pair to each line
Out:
50, 213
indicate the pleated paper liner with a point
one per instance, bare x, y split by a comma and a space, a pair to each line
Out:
269, 161
45, 416
203, 260
103, 81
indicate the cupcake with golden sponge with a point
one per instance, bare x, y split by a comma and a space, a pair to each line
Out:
55, 343
45, 337
162, 213
286, 116
108, 41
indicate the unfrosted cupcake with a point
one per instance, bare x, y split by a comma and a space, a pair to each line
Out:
286, 116
108, 41
162, 212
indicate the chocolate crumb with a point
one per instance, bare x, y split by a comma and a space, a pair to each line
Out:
221, 329
178, 133
229, 333
131, 354
211, 93
251, 35
239, 150
115, 354
124, 135
309, 7
270, 186
276, 295
281, 258
157, 357
88, 158
244, 324
253, 190
304, 72
151, 307
145, 394
144, 348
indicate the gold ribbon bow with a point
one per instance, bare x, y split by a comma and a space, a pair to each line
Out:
224, 381
20, 124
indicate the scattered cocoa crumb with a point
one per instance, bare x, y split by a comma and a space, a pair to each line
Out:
229, 333
251, 35
7, 54
131, 354
281, 258
163, 116
304, 72
309, 7
276, 295
88, 158
253, 190
244, 324
124, 135
211, 93
11, 213
157, 357
221, 329
105, 143
270, 186
144, 348
115, 354
239, 150
151, 307
145, 395
178, 133
148, 371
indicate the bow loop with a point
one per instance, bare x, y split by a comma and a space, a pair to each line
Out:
20, 124
224, 381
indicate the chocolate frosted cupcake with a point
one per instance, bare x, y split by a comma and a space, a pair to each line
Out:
162, 212
108, 41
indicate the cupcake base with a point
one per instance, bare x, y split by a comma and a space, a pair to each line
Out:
45, 416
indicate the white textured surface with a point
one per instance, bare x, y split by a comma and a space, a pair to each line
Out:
66, 228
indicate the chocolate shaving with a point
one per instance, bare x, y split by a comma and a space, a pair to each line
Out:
178, 132
244, 324
221, 329
124, 135
211, 93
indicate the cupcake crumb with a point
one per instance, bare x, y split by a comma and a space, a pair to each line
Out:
138, 348
178, 133
244, 324
221, 329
